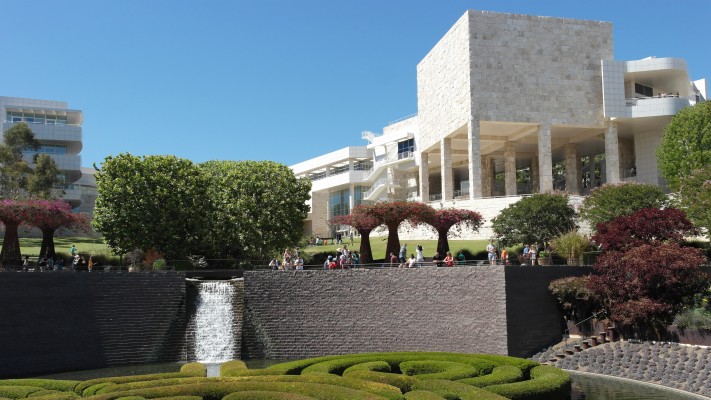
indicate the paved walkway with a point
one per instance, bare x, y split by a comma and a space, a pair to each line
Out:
669, 364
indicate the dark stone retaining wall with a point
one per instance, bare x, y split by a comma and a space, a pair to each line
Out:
73, 321
462, 309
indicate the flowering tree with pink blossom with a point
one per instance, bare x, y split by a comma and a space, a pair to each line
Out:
362, 220
13, 213
51, 215
392, 214
451, 221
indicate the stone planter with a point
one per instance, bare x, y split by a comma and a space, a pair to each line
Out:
544, 260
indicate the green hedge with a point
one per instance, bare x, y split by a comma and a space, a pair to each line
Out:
456, 390
422, 395
194, 369
45, 392
402, 382
187, 370
58, 396
18, 392
179, 398
500, 375
49, 384
546, 383
264, 395
379, 366
448, 370
234, 366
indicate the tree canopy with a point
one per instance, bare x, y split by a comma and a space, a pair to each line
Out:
14, 170
152, 202
686, 144
695, 198
257, 207
44, 177
51, 215
610, 201
535, 219
450, 221
393, 213
363, 220
644, 226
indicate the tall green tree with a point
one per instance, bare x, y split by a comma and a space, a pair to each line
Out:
14, 170
152, 202
610, 201
535, 219
695, 198
44, 178
257, 207
686, 144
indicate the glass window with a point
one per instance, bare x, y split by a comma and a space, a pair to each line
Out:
358, 192
340, 202
406, 148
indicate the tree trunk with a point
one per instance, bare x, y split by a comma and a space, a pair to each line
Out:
393, 243
10, 254
442, 243
366, 254
47, 249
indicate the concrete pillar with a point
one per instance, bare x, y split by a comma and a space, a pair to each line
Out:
612, 153
579, 170
474, 147
445, 146
486, 176
535, 187
545, 158
424, 177
571, 169
510, 169
351, 197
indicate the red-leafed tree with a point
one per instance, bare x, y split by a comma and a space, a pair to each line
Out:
13, 213
644, 277
49, 216
644, 226
451, 221
392, 214
362, 220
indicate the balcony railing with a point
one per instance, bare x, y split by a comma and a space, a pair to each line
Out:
7, 121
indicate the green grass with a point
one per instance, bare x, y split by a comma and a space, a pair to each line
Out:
378, 245
85, 245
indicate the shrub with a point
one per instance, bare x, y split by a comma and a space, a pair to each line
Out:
50, 384
571, 246
380, 366
456, 390
438, 370
693, 318
500, 375
535, 219
18, 392
159, 264
610, 201
574, 297
265, 395
402, 382
58, 396
194, 369
230, 367
422, 395
547, 383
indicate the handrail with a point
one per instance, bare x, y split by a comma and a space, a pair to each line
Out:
402, 119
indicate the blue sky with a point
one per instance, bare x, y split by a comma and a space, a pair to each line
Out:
266, 79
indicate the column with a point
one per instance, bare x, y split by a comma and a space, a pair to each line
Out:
486, 176
579, 170
545, 158
535, 187
445, 146
474, 147
424, 177
612, 153
351, 197
510, 169
571, 169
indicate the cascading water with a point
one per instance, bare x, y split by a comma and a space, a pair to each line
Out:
213, 322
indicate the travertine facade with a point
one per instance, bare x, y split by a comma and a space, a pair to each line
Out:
504, 100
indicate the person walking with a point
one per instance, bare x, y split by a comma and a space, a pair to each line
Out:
420, 257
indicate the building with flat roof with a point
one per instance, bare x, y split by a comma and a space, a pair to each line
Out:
510, 105
58, 129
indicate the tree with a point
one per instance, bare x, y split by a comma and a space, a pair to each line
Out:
686, 144
445, 219
392, 214
44, 177
610, 201
49, 216
644, 287
362, 220
13, 213
648, 225
257, 207
571, 245
13, 168
695, 198
152, 202
535, 219
643, 276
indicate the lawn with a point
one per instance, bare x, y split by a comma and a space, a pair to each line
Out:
85, 245
378, 246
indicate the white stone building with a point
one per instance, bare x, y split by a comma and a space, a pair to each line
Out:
510, 105
58, 129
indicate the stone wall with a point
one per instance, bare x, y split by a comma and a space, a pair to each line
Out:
74, 321
469, 309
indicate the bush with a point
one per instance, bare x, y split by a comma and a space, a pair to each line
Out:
230, 367
50, 384
438, 370
547, 383
500, 375
574, 298
610, 201
422, 395
693, 318
264, 395
571, 246
159, 264
402, 382
18, 392
456, 390
535, 219
379, 366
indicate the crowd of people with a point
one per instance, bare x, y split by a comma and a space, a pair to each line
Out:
48, 262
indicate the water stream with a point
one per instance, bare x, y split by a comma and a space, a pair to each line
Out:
214, 336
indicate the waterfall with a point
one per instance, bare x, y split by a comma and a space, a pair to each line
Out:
213, 322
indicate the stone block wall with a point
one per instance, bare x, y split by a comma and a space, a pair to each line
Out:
74, 321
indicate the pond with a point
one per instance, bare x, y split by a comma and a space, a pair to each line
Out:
584, 386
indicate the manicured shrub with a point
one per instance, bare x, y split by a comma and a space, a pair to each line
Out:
58, 396
438, 370
131, 398
50, 384
379, 366
501, 374
547, 383
18, 392
194, 369
422, 395
402, 382
43, 393
456, 390
264, 395
187, 370
179, 398
226, 369
94, 389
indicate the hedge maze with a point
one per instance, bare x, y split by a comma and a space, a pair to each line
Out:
372, 376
